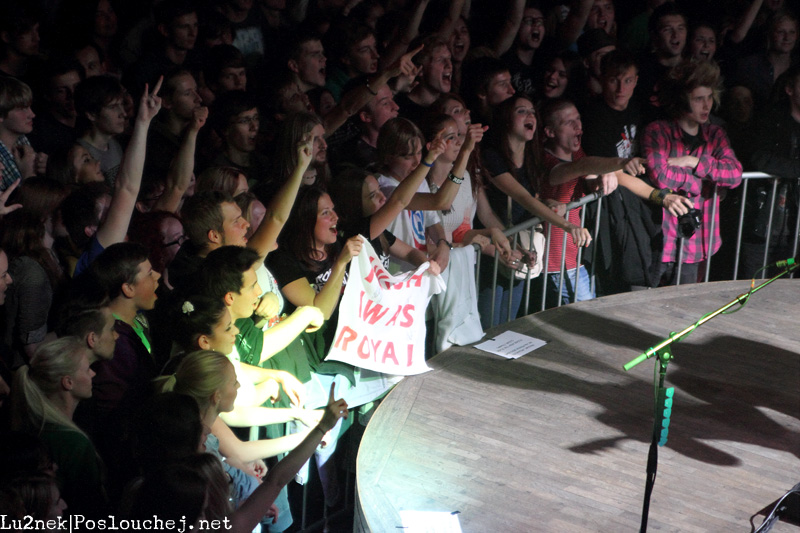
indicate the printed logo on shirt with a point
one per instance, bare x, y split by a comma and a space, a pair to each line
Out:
418, 228
248, 41
627, 146
322, 279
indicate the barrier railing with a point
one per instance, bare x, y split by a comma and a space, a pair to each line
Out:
742, 192
529, 225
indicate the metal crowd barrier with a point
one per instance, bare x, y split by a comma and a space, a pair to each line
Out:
513, 236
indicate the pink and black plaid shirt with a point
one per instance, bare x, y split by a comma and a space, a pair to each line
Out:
718, 165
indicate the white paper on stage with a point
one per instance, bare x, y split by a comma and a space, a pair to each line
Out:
511, 345
430, 522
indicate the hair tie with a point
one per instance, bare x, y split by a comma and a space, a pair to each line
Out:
187, 308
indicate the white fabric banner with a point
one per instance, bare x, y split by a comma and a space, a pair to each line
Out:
382, 317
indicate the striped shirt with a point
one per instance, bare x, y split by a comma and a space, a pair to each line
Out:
564, 193
718, 165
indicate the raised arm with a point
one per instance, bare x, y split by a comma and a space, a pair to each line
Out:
744, 24
355, 99
249, 513
403, 195
400, 45
4, 208
442, 199
182, 167
507, 34
569, 31
129, 179
448, 24
279, 209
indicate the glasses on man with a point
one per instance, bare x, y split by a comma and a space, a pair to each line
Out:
179, 241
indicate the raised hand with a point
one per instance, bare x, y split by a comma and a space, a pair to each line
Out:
150, 103
199, 117
435, 148
6, 209
474, 135
304, 150
335, 410
404, 65
352, 247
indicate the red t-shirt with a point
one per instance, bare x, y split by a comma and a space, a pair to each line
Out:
564, 193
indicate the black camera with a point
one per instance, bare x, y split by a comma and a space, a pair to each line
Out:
688, 223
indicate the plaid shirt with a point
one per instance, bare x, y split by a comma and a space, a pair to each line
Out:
718, 165
11, 171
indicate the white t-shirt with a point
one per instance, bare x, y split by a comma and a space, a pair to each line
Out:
458, 219
410, 225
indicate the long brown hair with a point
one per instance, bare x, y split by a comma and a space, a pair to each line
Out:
475, 164
23, 235
298, 235
501, 128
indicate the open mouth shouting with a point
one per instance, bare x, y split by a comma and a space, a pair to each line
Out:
447, 79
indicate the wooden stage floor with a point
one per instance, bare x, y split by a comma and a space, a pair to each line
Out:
557, 440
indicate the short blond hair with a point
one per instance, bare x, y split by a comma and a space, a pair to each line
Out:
13, 94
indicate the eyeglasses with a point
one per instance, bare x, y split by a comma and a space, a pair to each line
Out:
533, 21
179, 241
246, 121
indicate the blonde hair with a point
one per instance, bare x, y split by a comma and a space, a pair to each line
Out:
13, 94
52, 361
199, 375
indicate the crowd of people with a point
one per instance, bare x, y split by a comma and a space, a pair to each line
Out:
184, 183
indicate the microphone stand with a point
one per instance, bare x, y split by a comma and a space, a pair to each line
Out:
663, 397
